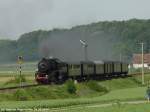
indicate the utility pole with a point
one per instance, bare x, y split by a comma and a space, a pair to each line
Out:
85, 49
120, 57
85, 52
142, 60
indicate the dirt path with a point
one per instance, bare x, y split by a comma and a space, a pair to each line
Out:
95, 106
110, 104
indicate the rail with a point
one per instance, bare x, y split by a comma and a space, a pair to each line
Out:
17, 87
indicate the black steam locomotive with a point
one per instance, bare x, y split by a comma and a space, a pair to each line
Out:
55, 71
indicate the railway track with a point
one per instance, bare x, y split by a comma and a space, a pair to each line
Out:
17, 87
35, 85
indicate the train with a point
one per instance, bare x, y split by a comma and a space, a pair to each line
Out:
53, 70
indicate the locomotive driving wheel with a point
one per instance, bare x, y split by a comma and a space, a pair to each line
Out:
51, 78
56, 78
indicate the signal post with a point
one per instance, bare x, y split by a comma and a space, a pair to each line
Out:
20, 61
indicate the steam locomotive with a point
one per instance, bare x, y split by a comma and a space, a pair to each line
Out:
55, 71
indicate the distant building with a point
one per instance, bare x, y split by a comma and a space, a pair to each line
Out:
137, 60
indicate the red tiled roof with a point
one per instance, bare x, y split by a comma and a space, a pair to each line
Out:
138, 57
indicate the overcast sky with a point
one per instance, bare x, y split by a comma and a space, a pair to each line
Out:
20, 16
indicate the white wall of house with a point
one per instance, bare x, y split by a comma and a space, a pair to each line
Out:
140, 66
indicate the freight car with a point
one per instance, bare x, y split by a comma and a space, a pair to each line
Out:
56, 71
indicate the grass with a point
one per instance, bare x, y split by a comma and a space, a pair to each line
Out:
121, 83
57, 96
114, 108
26, 66
91, 89
83, 90
28, 69
10, 81
49, 92
8, 72
113, 96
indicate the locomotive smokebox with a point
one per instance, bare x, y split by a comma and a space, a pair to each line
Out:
49, 70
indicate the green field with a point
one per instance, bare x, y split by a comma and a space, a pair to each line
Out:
114, 87
114, 108
56, 96
28, 68
113, 96
8, 72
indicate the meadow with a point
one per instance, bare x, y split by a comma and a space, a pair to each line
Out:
56, 96
113, 96
114, 108
8, 73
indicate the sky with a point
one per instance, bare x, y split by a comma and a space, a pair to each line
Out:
22, 16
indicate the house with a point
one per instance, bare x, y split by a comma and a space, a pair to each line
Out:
137, 60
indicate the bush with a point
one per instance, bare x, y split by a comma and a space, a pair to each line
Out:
96, 87
71, 88
21, 95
